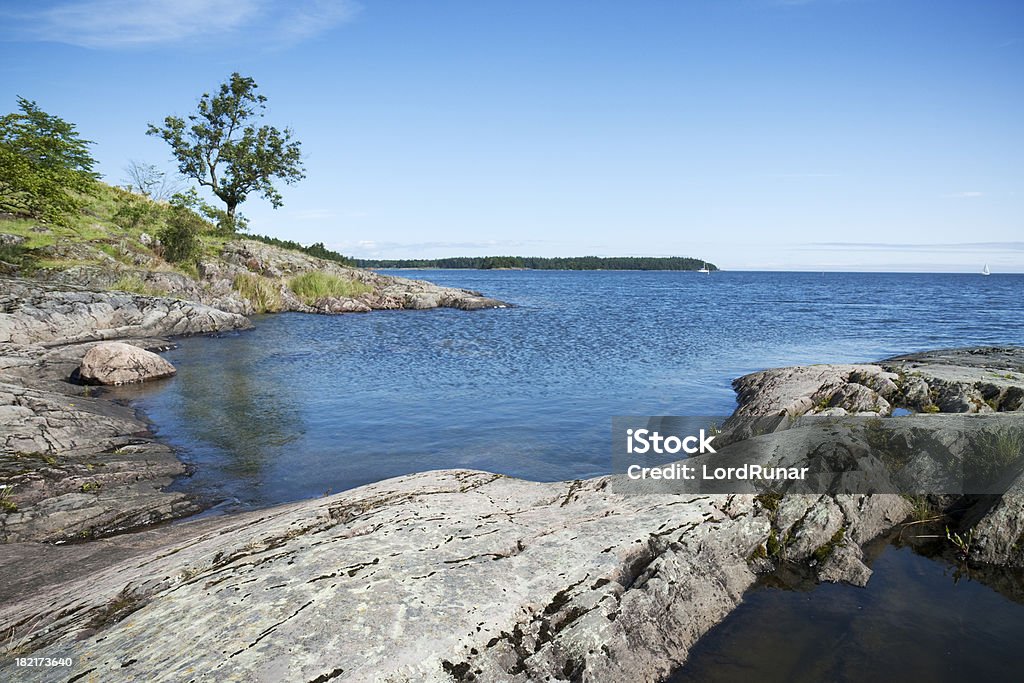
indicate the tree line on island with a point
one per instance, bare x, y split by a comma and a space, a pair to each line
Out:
544, 263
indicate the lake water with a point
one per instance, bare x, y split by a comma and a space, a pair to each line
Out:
304, 404
307, 404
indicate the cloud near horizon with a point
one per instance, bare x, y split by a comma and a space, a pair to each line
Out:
116, 24
973, 247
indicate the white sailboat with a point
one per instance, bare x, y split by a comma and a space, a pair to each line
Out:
985, 270
704, 269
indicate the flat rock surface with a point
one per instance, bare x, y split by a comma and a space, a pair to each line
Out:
440, 576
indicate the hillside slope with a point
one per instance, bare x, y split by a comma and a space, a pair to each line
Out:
109, 247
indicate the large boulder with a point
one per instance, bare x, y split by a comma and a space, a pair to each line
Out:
119, 363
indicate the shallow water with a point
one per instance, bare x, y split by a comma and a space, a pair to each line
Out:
917, 619
305, 404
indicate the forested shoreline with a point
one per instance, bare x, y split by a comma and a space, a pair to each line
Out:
544, 263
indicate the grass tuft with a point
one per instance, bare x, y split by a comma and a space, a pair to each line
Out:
261, 292
133, 284
312, 286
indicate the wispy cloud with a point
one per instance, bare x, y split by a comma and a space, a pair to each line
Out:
114, 24
896, 246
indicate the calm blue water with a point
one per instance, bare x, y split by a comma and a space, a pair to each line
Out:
305, 404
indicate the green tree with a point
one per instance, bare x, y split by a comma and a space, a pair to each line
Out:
45, 167
221, 147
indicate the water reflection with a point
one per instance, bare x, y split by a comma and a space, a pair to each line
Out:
922, 616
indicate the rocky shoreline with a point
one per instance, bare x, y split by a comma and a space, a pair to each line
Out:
76, 465
451, 575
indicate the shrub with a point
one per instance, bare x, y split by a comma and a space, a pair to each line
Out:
262, 293
316, 285
180, 237
16, 255
135, 213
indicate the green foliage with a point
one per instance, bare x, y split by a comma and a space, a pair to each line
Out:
45, 166
262, 293
962, 543
318, 249
16, 255
823, 553
136, 213
180, 237
769, 500
316, 285
226, 224
772, 547
540, 263
921, 509
221, 148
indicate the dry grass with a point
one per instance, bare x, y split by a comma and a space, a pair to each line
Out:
263, 293
312, 286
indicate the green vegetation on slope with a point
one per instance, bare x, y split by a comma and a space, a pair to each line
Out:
541, 263
61, 216
115, 228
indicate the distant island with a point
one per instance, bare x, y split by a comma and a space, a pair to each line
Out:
542, 263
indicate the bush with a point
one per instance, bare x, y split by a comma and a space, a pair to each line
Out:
16, 255
226, 223
135, 213
316, 285
180, 237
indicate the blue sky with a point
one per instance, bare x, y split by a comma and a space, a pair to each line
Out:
815, 134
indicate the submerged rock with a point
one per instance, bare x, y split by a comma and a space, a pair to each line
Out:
119, 363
